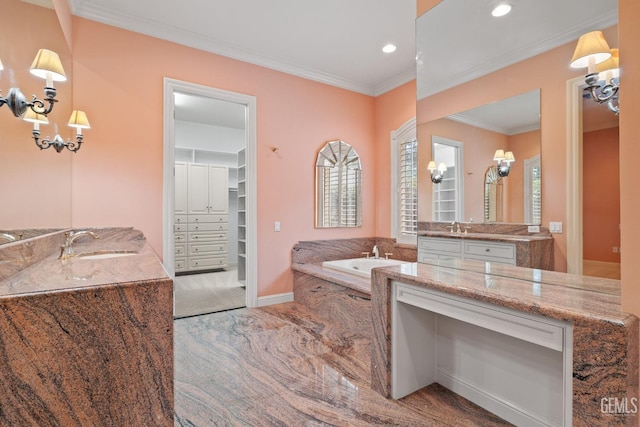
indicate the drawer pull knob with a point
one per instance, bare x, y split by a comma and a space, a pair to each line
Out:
487, 250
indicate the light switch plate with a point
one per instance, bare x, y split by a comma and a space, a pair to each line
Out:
276, 226
555, 227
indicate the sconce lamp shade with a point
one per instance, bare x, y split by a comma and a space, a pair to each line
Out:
590, 45
47, 64
441, 167
499, 155
79, 120
508, 157
612, 64
1, 66
33, 117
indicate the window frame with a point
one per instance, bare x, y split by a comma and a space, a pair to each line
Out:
406, 132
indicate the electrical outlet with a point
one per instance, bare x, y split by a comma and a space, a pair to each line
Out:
533, 229
555, 227
615, 250
276, 226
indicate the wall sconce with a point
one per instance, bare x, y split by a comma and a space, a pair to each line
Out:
78, 120
436, 173
47, 66
504, 160
603, 68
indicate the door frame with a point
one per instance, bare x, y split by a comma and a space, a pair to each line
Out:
170, 86
574, 226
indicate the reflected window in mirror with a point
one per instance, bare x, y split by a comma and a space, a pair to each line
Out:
493, 197
532, 190
404, 183
338, 186
448, 194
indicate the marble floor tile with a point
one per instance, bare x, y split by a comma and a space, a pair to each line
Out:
282, 366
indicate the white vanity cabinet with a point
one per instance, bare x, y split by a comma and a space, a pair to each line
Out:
201, 222
430, 248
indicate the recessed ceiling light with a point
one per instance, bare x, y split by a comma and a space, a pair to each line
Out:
388, 48
501, 10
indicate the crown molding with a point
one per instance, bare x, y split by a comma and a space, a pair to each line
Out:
198, 41
395, 82
512, 57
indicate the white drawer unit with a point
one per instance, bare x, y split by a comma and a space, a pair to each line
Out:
495, 252
202, 222
208, 218
430, 248
207, 236
206, 263
209, 226
207, 248
180, 250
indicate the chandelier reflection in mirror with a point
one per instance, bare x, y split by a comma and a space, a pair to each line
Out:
437, 174
503, 160
78, 120
603, 68
47, 66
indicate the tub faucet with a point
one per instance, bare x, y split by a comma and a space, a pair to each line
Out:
376, 253
8, 237
66, 250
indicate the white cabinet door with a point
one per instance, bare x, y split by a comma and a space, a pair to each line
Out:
218, 189
181, 189
198, 199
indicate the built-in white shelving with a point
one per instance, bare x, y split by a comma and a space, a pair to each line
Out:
242, 216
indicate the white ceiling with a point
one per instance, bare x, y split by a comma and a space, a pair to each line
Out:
338, 42
509, 116
459, 40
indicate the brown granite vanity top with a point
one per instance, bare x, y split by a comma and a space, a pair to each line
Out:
556, 295
33, 266
347, 280
485, 236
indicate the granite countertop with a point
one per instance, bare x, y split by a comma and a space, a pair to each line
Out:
485, 236
347, 280
48, 273
557, 295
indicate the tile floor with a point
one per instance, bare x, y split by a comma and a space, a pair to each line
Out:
282, 366
208, 292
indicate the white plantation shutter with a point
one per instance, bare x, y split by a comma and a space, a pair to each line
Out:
404, 183
408, 192
339, 193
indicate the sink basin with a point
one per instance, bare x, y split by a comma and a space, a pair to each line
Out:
106, 255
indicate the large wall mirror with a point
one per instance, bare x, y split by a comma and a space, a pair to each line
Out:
35, 185
480, 84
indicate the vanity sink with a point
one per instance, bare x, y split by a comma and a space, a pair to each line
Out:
106, 255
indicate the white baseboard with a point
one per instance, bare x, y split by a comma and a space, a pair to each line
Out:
507, 410
275, 299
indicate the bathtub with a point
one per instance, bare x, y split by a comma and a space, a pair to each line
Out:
360, 266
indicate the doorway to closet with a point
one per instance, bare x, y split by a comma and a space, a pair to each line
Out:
209, 198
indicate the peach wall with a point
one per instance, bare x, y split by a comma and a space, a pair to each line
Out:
392, 110
479, 147
118, 174
601, 195
524, 146
629, 31
35, 185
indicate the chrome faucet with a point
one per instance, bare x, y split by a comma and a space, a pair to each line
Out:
66, 250
459, 228
8, 237
376, 253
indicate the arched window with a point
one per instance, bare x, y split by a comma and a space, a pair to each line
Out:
338, 186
